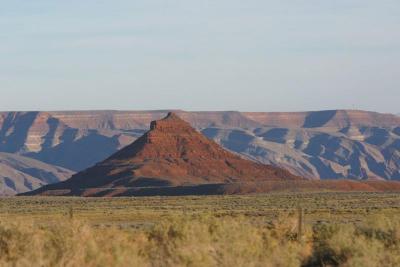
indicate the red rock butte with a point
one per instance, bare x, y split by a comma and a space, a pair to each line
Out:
171, 153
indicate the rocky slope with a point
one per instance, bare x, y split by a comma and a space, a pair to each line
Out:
171, 153
356, 153
318, 145
21, 174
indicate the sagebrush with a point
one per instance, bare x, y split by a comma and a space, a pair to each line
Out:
200, 240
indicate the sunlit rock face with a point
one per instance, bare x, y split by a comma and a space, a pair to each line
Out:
317, 145
172, 153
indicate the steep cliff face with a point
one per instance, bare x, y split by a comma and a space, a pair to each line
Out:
323, 144
332, 119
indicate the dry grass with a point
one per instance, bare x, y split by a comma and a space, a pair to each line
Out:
195, 241
207, 231
200, 241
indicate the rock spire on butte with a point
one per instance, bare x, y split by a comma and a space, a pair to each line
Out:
171, 153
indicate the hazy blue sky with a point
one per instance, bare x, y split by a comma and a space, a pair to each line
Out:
260, 55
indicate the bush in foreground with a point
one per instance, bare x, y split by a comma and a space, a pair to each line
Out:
201, 241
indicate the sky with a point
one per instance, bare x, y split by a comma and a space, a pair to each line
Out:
254, 55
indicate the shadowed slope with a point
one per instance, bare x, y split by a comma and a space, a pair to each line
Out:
21, 174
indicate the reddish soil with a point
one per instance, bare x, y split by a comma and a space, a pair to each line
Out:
235, 188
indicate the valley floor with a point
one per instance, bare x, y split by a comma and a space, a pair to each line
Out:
337, 229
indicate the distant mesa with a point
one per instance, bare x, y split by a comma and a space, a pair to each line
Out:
171, 154
319, 118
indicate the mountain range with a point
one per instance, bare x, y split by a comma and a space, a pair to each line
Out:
317, 145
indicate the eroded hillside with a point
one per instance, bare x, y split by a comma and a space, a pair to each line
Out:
324, 144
